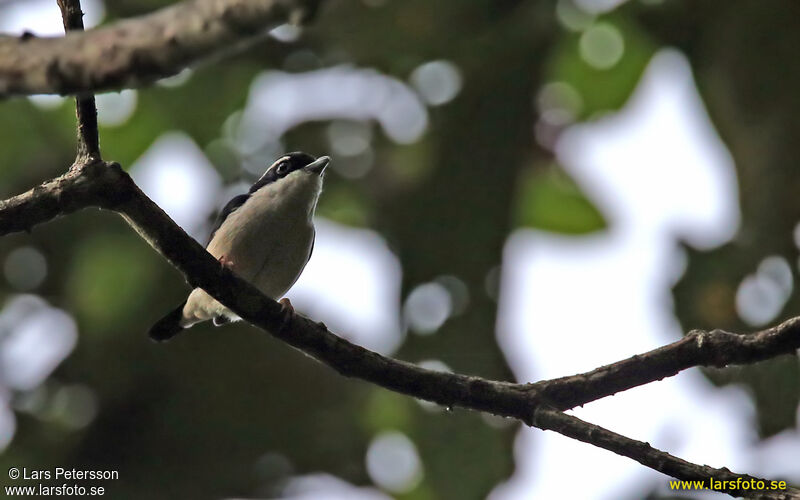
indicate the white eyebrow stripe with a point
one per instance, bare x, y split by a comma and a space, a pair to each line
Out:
276, 163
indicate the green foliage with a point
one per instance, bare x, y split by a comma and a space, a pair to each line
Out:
34, 141
344, 204
549, 199
385, 410
601, 89
109, 279
222, 90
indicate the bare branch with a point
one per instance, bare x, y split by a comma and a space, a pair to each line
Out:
88, 138
698, 348
77, 189
113, 189
107, 186
138, 51
71, 14
725, 481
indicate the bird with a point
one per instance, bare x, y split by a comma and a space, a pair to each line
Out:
265, 236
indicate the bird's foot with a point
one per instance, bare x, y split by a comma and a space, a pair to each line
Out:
225, 262
287, 311
221, 320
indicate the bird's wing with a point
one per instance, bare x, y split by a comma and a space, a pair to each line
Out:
229, 208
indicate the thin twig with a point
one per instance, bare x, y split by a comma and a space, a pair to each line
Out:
86, 111
716, 348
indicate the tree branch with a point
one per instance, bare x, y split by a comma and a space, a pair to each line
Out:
740, 485
85, 109
138, 51
106, 185
716, 348
77, 189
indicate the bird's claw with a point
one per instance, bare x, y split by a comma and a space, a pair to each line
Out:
287, 311
225, 262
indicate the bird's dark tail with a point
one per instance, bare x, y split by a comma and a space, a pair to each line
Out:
168, 326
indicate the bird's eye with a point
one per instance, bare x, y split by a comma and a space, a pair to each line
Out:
282, 168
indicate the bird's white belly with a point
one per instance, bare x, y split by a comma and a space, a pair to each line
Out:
282, 264
266, 244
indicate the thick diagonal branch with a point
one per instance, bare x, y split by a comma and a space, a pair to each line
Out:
138, 51
107, 186
96, 185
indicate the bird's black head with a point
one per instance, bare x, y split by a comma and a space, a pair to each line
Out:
289, 163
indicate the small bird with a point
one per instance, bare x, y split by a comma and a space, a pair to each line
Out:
265, 236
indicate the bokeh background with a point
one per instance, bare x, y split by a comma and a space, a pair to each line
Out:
521, 189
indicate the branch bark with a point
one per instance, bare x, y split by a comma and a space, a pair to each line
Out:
107, 186
85, 109
716, 348
743, 485
138, 51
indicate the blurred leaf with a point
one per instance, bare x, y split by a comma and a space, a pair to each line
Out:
344, 204
386, 410
34, 140
602, 89
409, 165
162, 109
549, 199
108, 279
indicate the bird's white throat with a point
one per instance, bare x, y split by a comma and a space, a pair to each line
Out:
298, 192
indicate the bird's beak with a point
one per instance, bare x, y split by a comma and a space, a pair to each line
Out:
318, 166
